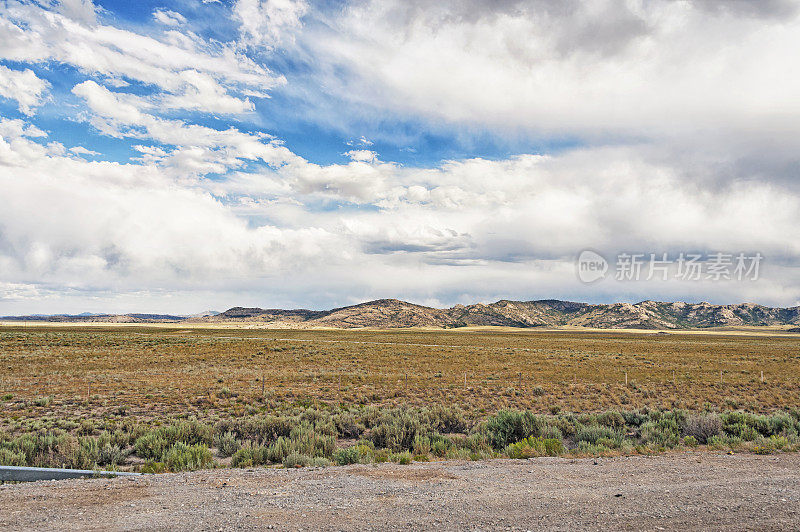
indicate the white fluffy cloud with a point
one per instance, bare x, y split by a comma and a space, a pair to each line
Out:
23, 86
138, 226
194, 74
700, 98
586, 68
168, 18
269, 23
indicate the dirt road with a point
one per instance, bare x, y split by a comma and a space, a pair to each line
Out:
677, 491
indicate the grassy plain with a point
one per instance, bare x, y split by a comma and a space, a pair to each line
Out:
152, 371
174, 398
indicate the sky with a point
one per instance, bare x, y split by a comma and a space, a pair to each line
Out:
186, 155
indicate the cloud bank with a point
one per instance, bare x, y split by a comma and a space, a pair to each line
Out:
683, 117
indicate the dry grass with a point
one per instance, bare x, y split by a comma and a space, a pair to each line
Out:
154, 371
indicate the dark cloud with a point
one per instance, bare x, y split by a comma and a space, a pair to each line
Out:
750, 8
606, 29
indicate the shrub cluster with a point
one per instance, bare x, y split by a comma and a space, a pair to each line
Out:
305, 436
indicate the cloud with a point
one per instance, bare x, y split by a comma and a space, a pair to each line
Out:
466, 229
203, 93
123, 115
595, 69
80, 150
83, 11
269, 23
24, 87
362, 155
168, 18
360, 141
111, 224
685, 115
193, 73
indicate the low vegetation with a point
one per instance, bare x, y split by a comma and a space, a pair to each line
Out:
299, 437
159, 400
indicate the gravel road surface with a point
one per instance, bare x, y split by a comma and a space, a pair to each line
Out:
676, 491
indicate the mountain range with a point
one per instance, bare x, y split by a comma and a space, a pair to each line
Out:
393, 313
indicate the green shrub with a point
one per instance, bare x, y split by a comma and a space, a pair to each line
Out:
782, 424
191, 432
551, 432
612, 419
153, 467
664, 432
381, 456
250, 455
227, 444
109, 454
592, 449
635, 418
702, 427
535, 446
592, 433
261, 430
296, 459
54, 448
12, 458
43, 401
690, 441
436, 444
352, 455
744, 425
317, 439
510, 426
319, 461
445, 419
183, 457
770, 445
396, 430
151, 446
347, 425
403, 458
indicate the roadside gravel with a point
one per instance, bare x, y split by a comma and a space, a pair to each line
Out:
675, 491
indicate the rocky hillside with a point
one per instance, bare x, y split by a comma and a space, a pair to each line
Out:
390, 313
393, 313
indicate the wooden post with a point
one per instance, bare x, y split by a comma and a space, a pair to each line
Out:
673, 377
465, 380
626, 378
762, 375
262, 385
721, 380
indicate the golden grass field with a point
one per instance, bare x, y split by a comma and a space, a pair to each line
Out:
153, 371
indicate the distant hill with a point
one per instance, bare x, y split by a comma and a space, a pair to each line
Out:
393, 313
88, 317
